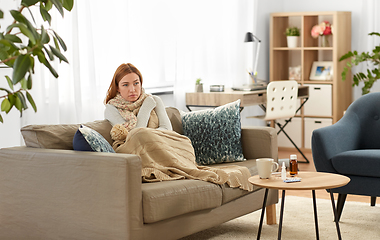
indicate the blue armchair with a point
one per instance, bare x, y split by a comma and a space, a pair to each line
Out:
351, 147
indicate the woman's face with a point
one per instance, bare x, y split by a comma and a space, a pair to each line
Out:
130, 87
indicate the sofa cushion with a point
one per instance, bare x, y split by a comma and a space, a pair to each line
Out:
87, 139
175, 119
60, 136
230, 194
166, 199
215, 133
358, 163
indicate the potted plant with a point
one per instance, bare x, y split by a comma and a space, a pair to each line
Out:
292, 35
23, 44
372, 59
198, 85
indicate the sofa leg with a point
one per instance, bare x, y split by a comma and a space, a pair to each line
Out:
271, 214
373, 201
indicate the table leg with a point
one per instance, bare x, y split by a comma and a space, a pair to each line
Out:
281, 214
335, 215
315, 215
262, 213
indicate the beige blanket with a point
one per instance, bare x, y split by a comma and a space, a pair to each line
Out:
167, 155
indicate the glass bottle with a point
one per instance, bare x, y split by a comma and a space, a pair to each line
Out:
293, 165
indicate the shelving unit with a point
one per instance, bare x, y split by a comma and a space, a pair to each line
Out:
328, 98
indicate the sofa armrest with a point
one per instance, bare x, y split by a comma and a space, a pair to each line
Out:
259, 142
48, 194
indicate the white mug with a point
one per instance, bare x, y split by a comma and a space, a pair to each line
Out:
266, 166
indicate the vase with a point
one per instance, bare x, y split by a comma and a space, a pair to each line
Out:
325, 41
292, 41
199, 87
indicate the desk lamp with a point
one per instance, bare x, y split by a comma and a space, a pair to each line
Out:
249, 37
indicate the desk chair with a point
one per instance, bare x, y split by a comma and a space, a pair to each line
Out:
282, 103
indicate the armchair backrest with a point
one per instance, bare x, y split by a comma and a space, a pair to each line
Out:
365, 112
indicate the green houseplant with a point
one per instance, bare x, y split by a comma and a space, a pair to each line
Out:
198, 85
372, 60
292, 35
292, 31
22, 44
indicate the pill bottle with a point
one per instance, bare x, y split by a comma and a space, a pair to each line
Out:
293, 169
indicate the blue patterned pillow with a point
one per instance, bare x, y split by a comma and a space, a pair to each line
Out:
87, 139
215, 133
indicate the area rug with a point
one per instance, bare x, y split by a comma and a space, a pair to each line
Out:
358, 221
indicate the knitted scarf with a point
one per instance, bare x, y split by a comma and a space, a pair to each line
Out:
129, 110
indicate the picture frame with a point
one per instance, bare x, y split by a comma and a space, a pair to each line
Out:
321, 70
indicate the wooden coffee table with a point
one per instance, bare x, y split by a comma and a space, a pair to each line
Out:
310, 181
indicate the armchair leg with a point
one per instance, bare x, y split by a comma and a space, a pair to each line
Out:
373, 201
340, 205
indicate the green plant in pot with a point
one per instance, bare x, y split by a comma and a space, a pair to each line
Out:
292, 35
23, 44
372, 59
292, 31
198, 85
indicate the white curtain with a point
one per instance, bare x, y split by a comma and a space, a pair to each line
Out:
172, 42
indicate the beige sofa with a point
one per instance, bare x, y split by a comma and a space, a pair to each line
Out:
49, 191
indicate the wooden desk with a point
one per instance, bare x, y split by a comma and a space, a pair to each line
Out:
247, 98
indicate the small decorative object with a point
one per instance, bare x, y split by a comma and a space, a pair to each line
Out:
292, 35
217, 88
295, 73
321, 71
323, 29
198, 85
370, 76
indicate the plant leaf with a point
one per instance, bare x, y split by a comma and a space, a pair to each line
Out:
29, 82
18, 16
21, 96
10, 83
45, 14
51, 56
13, 38
31, 101
1, 119
1, 14
20, 67
6, 105
61, 42
6, 90
44, 36
68, 4
28, 3
58, 5
58, 54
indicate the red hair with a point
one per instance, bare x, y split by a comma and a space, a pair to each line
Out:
120, 72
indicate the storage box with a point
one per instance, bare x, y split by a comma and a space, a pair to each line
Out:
293, 129
320, 100
314, 123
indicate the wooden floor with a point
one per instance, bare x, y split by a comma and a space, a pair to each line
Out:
310, 167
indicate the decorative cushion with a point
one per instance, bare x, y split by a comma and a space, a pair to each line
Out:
215, 133
87, 139
60, 136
